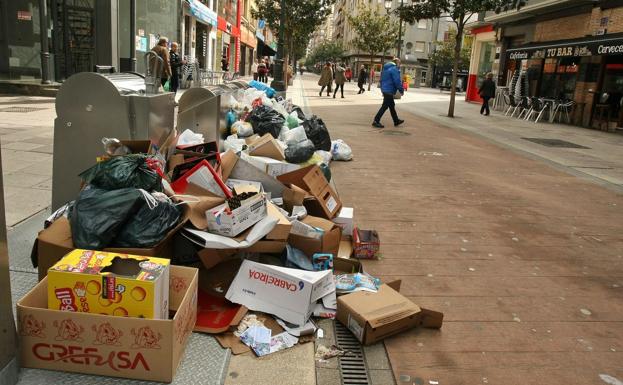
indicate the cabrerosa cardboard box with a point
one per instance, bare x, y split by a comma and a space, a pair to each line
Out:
136, 348
372, 317
110, 283
290, 294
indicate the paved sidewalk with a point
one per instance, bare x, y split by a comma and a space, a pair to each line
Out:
525, 261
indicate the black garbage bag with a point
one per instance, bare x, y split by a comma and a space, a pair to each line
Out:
98, 215
149, 225
317, 132
266, 120
124, 171
299, 152
299, 112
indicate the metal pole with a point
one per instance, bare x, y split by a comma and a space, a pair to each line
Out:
43, 32
399, 37
133, 35
278, 83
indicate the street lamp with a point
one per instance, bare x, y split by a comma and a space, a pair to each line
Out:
278, 82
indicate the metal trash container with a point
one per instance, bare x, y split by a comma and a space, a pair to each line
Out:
200, 110
90, 106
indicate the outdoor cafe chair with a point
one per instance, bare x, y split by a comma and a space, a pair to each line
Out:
524, 107
538, 108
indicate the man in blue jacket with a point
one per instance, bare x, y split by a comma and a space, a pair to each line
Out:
390, 85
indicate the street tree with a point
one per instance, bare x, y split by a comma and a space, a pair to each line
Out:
302, 18
459, 12
374, 32
443, 55
328, 50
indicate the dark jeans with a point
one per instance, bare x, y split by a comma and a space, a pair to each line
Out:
328, 89
255, 76
174, 83
337, 87
388, 102
262, 78
361, 89
485, 105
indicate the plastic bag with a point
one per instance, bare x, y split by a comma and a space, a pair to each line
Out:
167, 86
234, 143
266, 120
318, 133
150, 224
296, 259
293, 121
294, 135
134, 170
314, 159
348, 283
325, 155
114, 147
98, 215
299, 112
299, 152
340, 150
270, 92
242, 129
188, 137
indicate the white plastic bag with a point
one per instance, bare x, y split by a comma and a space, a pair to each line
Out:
233, 143
294, 135
242, 129
188, 137
340, 150
325, 155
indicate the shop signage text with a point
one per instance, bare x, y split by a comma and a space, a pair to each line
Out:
575, 50
610, 49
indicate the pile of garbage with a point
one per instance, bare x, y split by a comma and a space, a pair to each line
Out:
256, 215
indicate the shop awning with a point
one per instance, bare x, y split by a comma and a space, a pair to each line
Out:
264, 49
202, 12
586, 46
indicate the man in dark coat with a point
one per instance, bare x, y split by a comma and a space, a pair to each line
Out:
361, 79
486, 92
176, 64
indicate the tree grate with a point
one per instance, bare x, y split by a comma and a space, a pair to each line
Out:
352, 365
554, 143
21, 109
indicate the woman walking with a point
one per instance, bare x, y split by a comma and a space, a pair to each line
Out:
486, 92
340, 79
326, 79
361, 79
261, 72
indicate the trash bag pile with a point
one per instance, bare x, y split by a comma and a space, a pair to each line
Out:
257, 214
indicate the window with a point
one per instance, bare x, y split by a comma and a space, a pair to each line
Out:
422, 24
420, 46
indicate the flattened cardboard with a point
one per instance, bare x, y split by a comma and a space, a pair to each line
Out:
346, 248
126, 347
55, 242
267, 146
329, 243
372, 317
230, 341
212, 257
282, 229
326, 202
293, 196
234, 167
216, 314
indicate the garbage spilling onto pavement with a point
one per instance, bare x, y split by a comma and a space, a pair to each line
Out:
245, 238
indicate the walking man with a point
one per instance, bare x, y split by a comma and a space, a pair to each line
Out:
391, 85
361, 79
261, 72
326, 79
340, 79
161, 50
486, 92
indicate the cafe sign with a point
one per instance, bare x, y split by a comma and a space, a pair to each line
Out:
579, 49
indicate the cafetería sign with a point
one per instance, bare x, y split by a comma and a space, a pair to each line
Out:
568, 48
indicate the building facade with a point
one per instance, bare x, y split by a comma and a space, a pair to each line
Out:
567, 50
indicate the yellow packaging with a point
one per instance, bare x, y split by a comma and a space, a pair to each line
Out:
110, 283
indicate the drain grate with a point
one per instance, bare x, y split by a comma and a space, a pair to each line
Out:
554, 143
21, 109
395, 132
353, 369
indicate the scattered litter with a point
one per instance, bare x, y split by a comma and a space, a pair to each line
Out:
325, 353
610, 380
297, 331
349, 283
430, 153
463, 249
471, 269
405, 378
433, 382
515, 239
585, 311
320, 333
248, 321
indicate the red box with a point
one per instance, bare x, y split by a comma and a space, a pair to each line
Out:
366, 244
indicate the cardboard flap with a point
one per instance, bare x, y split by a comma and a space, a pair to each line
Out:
304, 178
228, 162
431, 319
58, 234
197, 210
267, 146
320, 223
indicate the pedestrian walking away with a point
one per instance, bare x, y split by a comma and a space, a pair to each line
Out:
349, 74
176, 65
340, 79
261, 71
225, 64
361, 79
254, 69
391, 87
326, 78
486, 92
161, 50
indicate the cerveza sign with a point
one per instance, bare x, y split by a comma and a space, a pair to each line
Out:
578, 49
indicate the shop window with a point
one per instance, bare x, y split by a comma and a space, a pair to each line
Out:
422, 24
420, 46
559, 78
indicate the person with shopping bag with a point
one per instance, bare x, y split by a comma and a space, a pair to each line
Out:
391, 87
326, 78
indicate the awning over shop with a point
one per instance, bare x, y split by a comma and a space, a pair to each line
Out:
202, 13
265, 50
587, 46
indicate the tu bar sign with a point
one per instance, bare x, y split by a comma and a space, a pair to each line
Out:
24, 15
560, 51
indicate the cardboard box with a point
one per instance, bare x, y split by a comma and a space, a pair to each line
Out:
372, 317
230, 223
345, 219
328, 243
290, 294
270, 166
366, 244
55, 242
324, 201
346, 266
346, 248
111, 284
267, 146
135, 348
293, 196
282, 229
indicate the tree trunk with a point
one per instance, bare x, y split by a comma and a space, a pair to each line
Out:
455, 69
370, 80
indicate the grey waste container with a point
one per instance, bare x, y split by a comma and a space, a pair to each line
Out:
90, 106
